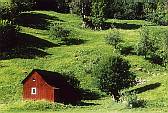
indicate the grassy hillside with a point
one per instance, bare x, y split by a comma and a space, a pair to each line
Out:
80, 54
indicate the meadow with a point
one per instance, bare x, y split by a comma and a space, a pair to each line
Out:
81, 55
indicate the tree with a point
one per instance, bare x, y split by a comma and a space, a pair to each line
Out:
165, 47
8, 34
114, 38
98, 11
146, 45
115, 76
23, 5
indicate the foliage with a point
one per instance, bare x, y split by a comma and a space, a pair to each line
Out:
160, 18
58, 31
146, 45
54, 5
23, 5
154, 45
7, 11
98, 14
113, 38
157, 12
116, 76
80, 7
164, 46
124, 9
131, 101
8, 34
75, 7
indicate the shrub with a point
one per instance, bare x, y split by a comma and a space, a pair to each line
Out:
8, 34
164, 54
160, 18
115, 75
7, 11
57, 31
131, 101
114, 38
146, 45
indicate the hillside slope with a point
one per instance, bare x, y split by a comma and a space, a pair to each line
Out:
80, 54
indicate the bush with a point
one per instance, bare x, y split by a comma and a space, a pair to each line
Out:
131, 101
8, 34
7, 11
23, 5
57, 31
115, 76
146, 46
113, 38
160, 18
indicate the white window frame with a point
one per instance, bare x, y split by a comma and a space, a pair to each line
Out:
33, 90
34, 80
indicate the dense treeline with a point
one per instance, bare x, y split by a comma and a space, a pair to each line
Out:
152, 10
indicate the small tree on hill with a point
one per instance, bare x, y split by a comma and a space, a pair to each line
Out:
115, 76
114, 38
146, 45
165, 47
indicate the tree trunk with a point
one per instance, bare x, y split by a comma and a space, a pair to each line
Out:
116, 95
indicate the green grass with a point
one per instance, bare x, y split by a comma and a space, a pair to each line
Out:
83, 60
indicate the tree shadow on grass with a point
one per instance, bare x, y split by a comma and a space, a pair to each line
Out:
26, 40
24, 53
27, 47
35, 20
124, 26
86, 104
156, 59
87, 94
146, 88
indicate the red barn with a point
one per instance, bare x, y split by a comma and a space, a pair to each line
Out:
50, 86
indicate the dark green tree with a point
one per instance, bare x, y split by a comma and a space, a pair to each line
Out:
165, 48
98, 11
146, 45
115, 76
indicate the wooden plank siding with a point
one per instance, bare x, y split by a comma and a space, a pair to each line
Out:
44, 91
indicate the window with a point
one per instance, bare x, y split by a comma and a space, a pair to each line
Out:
33, 90
34, 80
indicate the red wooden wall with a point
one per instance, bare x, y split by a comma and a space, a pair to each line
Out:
44, 91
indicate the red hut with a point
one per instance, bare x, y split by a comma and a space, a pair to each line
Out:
47, 85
